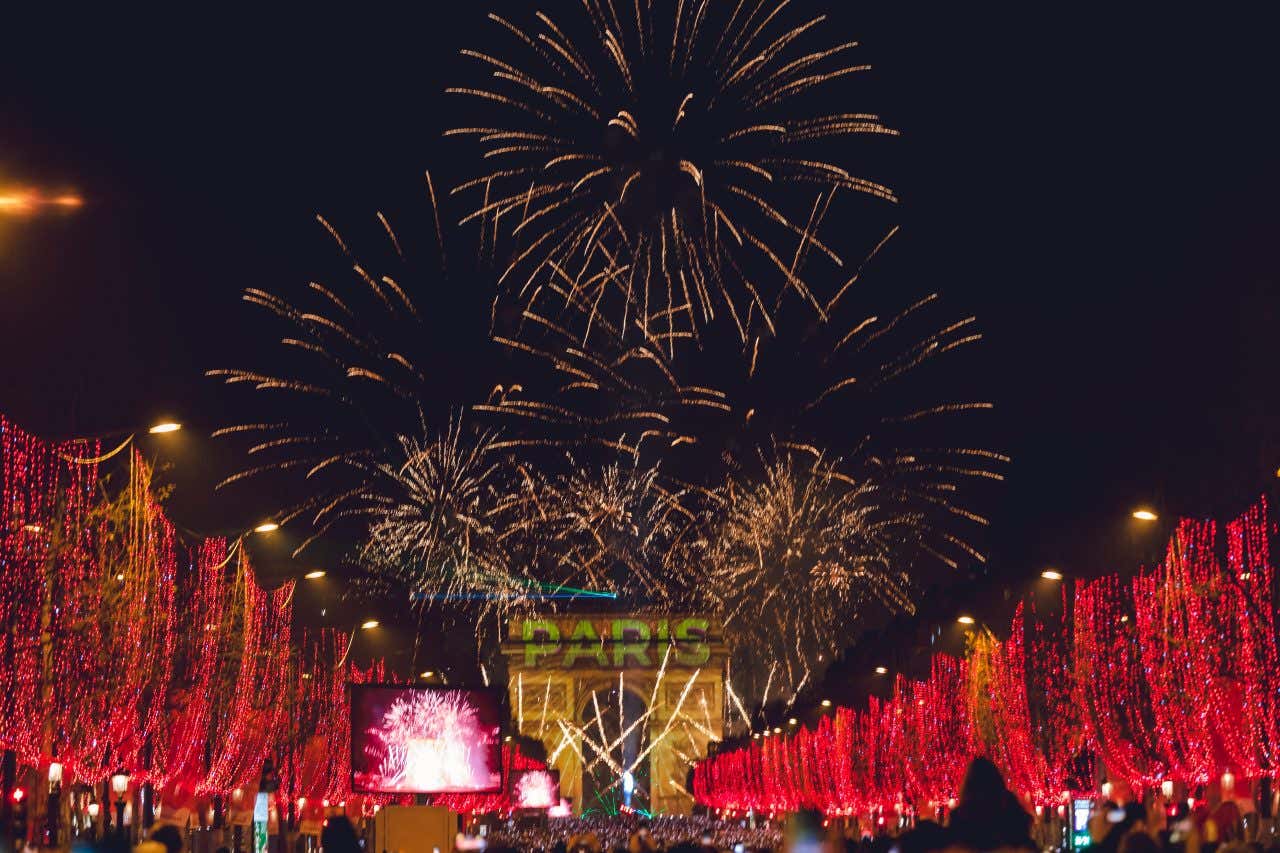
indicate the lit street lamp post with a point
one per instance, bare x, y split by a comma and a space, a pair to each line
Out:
53, 805
120, 785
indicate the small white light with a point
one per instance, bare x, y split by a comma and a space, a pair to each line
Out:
266, 527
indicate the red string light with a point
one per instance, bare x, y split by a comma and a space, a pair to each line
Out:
1172, 675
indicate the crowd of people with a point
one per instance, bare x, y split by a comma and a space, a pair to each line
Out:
603, 833
987, 817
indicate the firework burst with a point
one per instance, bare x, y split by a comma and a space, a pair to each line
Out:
356, 372
651, 161
796, 556
438, 521
614, 527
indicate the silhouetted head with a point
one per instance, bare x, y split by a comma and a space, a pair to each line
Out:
982, 781
339, 836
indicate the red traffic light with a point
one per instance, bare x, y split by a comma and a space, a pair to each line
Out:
18, 794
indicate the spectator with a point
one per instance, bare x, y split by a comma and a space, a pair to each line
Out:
168, 835
339, 836
989, 816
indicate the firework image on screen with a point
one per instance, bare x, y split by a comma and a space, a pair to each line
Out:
425, 740
535, 789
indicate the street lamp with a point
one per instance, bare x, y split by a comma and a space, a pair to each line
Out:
826, 703
266, 527
882, 670
314, 574
52, 810
1144, 515
120, 785
369, 624
1051, 575
164, 427
965, 620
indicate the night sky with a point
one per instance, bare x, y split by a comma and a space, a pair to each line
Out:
1099, 188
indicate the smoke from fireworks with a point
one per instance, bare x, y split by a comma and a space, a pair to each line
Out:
651, 161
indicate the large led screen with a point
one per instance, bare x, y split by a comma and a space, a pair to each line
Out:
535, 789
413, 740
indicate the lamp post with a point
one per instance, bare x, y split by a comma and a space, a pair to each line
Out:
53, 806
94, 810
120, 785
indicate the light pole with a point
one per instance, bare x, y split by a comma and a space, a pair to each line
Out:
94, 810
53, 805
120, 785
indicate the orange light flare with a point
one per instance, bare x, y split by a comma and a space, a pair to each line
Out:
17, 201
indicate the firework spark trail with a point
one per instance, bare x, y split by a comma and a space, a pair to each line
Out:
737, 702
546, 700
699, 155
671, 721
571, 732
555, 753
624, 729
603, 749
